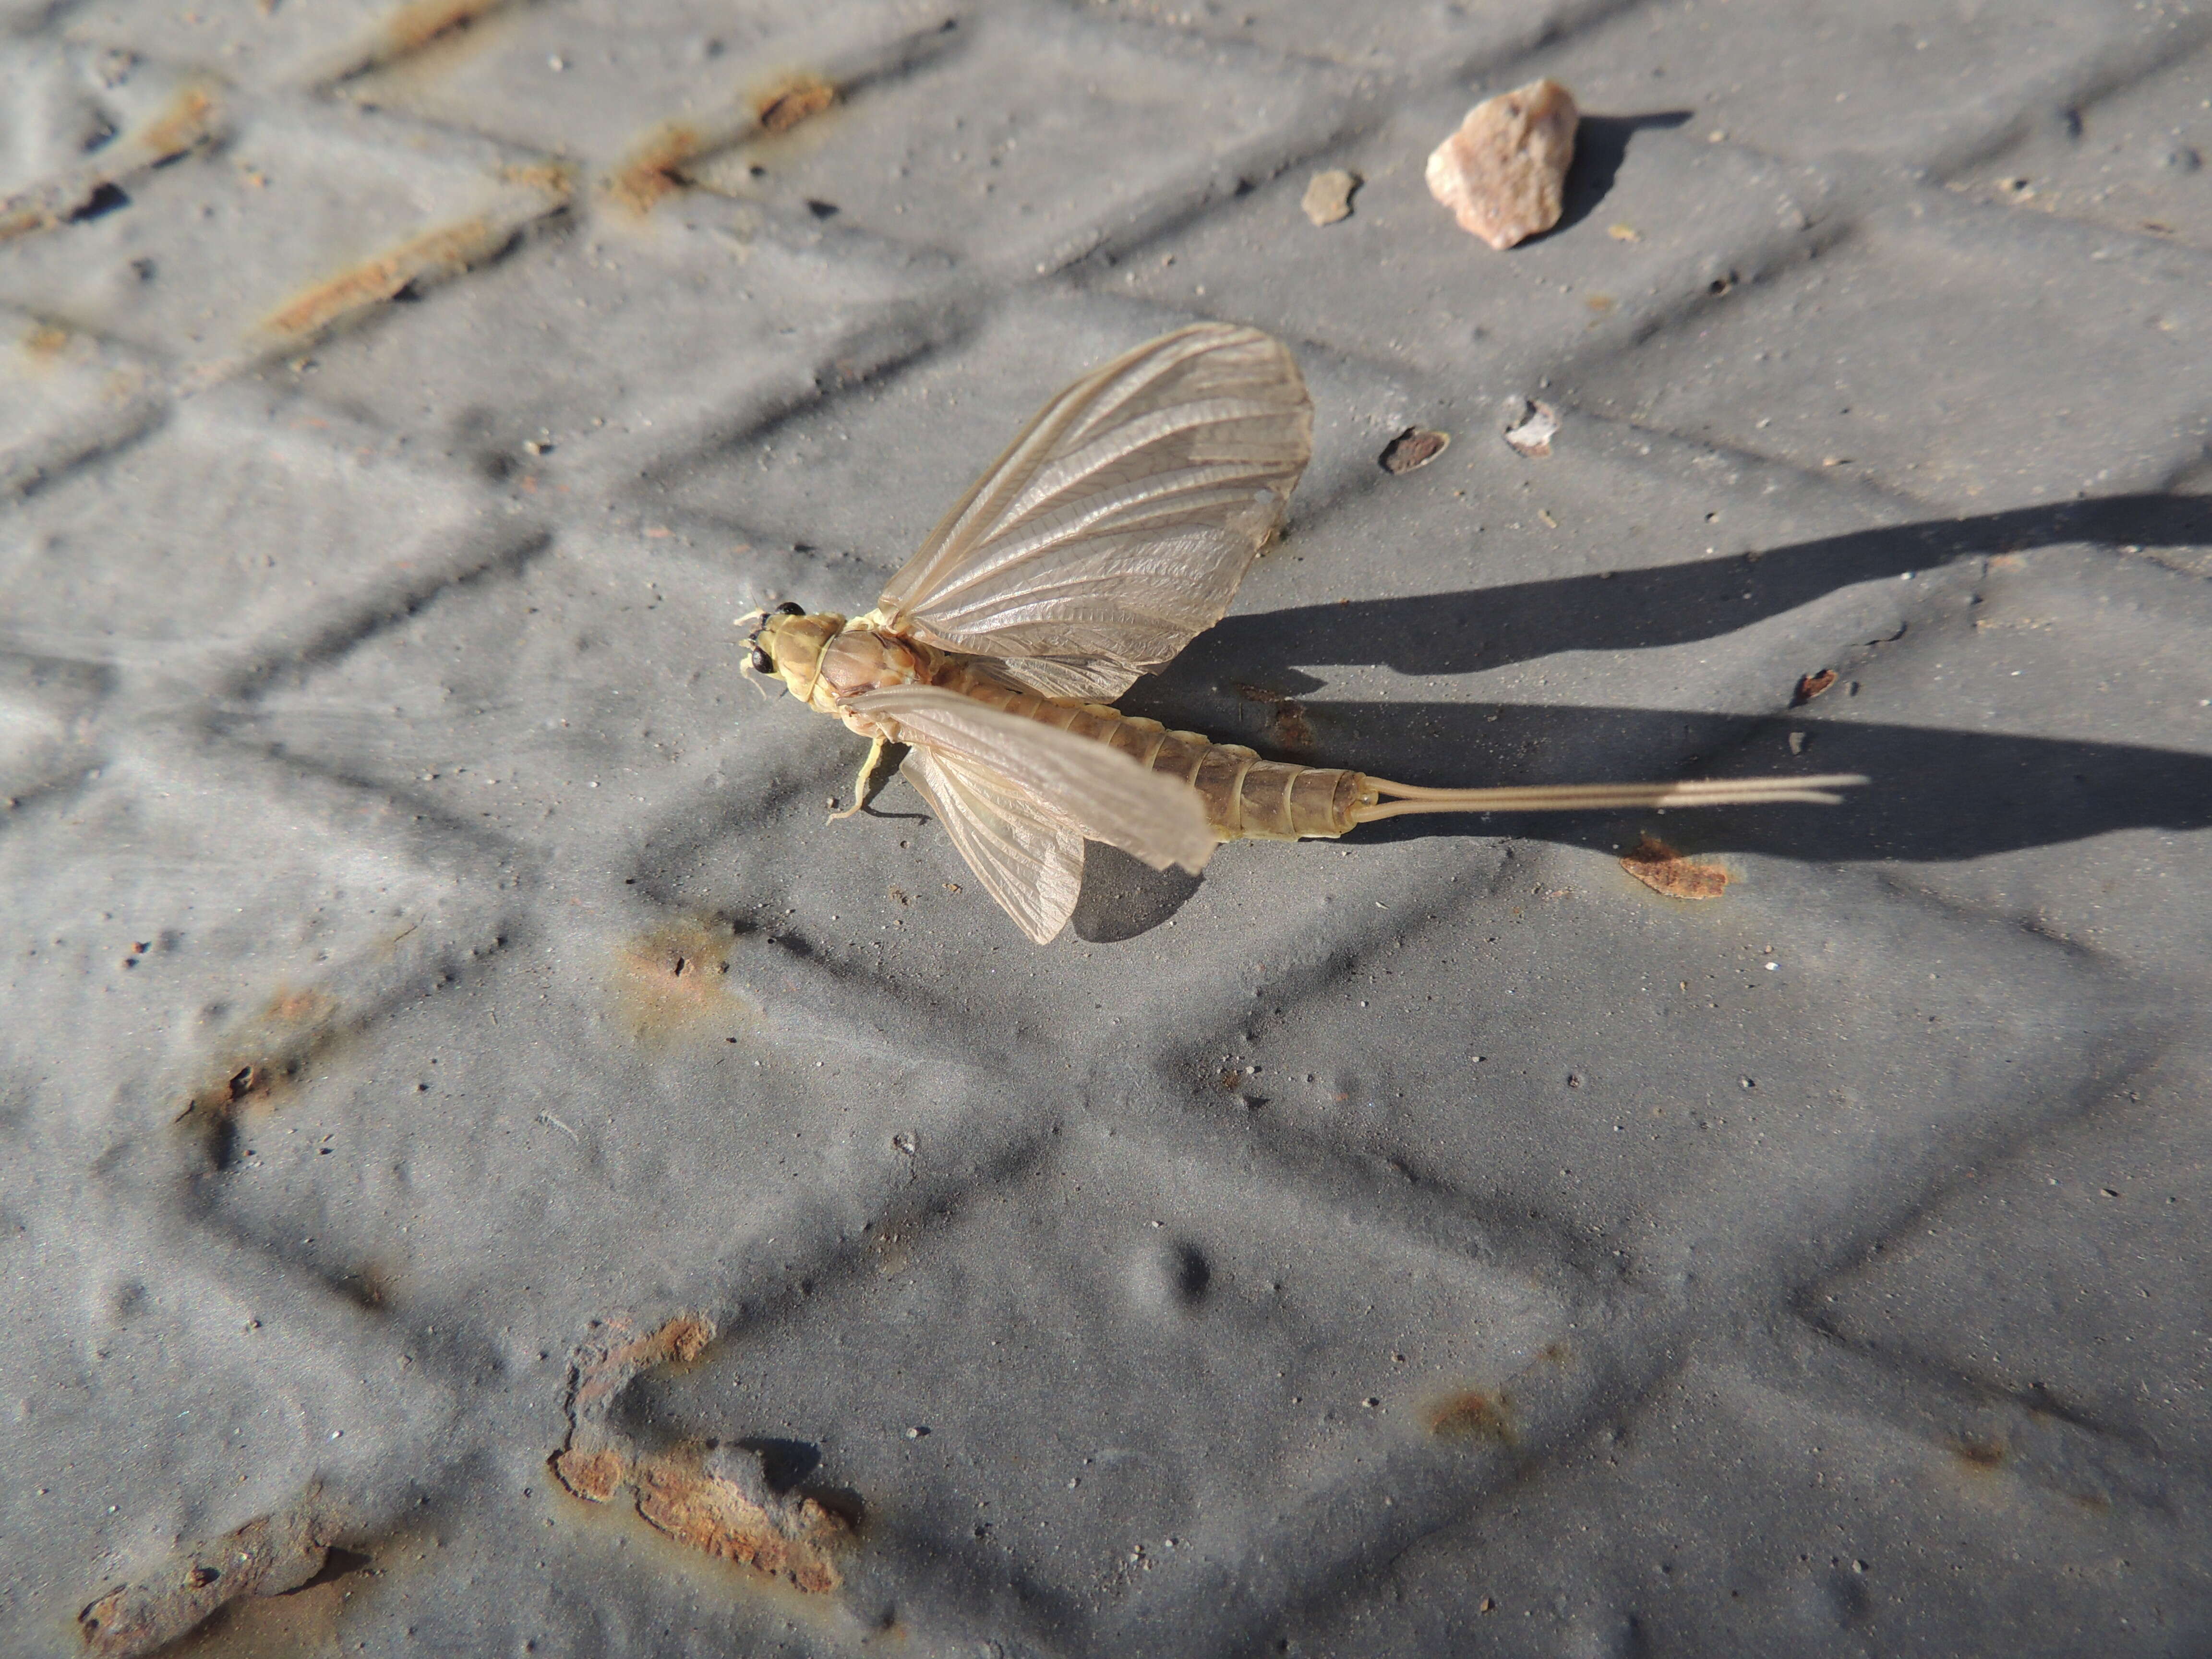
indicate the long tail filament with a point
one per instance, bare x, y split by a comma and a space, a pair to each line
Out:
1404, 798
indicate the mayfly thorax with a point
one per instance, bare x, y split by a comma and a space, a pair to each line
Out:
1115, 528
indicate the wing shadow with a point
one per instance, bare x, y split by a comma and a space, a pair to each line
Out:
1630, 609
1936, 796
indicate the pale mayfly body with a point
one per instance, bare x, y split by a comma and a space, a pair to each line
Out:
1113, 530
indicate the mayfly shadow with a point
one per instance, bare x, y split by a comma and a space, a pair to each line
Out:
1113, 530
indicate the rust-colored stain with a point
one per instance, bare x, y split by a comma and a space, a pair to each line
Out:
177, 128
686, 1339
656, 166
45, 340
1982, 1456
1473, 1414
676, 976
555, 180
1811, 685
266, 1052
1663, 870
656, 169
436, 252
799, 98
416, 25
1413, 447
595, 1477
300, 1007
188, 119
605, 1369
272, 1556
711, 1501
713, 1514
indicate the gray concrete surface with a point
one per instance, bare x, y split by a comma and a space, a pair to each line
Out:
428, 973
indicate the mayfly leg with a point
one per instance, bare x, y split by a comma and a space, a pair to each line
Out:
860, 783
1398, 799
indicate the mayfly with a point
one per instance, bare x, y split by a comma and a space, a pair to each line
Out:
1114, 529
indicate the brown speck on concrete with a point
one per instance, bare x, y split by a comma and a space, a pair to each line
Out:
1982, 1456
676, 976
1503, 173
1811, 685
184, 123
655, 169
299, 1008
797, 99
1416, 447
1663, 870
555, 180
1473, 1414
260, 1057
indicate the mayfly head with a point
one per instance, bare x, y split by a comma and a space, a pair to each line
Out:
758, 657
788, 644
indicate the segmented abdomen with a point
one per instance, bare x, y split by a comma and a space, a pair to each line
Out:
1244, 797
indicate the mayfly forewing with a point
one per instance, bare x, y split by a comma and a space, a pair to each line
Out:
1121, 521
1089, 787
1032, 867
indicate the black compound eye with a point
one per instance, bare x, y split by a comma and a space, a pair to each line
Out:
763, 663
787, 609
